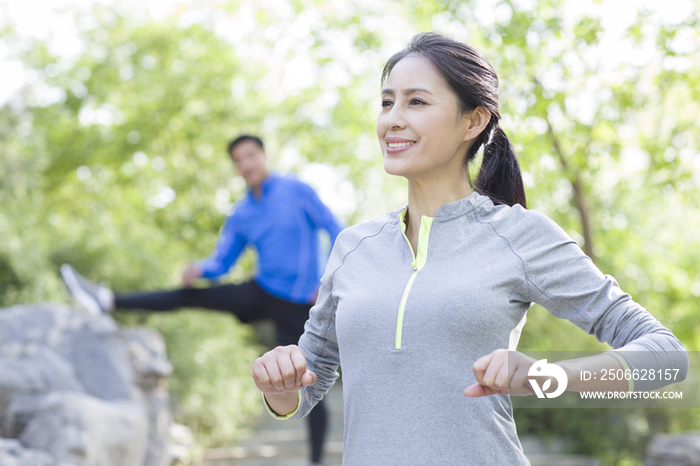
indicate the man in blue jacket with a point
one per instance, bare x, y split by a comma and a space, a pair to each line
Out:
280, 217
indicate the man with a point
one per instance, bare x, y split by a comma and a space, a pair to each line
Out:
280, 217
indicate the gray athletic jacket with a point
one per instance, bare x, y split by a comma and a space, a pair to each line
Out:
406, 330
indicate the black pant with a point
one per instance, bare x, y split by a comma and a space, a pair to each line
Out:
248, 302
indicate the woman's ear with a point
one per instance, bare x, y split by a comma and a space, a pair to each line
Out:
475, 122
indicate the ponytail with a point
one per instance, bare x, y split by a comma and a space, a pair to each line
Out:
499, 177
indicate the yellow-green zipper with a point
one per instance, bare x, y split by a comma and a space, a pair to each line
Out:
419, 259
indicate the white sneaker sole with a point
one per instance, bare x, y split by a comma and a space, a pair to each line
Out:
83, 298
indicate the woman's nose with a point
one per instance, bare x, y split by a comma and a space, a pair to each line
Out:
395, 118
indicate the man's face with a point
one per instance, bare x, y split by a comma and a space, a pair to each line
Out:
251, 162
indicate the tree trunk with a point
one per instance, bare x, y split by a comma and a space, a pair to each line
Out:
579, 195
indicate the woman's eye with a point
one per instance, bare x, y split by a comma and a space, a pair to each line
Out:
386, 103
416, 102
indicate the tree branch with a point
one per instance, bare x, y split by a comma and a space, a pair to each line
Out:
579, 196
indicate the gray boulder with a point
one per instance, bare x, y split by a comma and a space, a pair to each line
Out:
12, 453
90, 344
25, 375
82, 389
151, 367
674, 450
20, 411
82, 430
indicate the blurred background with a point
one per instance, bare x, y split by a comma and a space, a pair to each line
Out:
115, 116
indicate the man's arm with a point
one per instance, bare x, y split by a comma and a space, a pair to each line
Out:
319, 213
228, 248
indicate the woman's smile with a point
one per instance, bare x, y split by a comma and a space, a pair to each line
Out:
395, 145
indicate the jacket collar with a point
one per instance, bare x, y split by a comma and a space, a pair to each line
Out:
265, 187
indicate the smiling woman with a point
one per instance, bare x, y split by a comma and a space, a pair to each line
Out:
417, 121
423, 307
454, 105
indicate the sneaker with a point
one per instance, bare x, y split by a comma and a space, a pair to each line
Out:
95, 299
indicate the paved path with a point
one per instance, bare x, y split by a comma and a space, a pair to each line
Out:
283, 443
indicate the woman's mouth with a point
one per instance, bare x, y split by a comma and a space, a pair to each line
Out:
393, 147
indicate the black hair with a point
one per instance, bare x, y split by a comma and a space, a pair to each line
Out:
243, 138
472, 78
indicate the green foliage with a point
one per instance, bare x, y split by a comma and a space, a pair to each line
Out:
616, 436
211, 388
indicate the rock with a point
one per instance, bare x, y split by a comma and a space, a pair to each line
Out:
99, 357
12, 453
159, 420
34, 372
90, 345
81, 430
674, 450
147, 354
151, 367
82, 389
181, 444
20, 411
34, 324
39, 370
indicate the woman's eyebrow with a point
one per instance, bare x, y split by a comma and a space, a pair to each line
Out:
411, 90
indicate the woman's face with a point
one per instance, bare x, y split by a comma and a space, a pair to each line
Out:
421, 128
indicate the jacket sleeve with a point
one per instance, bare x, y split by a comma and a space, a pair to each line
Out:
319, 214
319, 342
229, 246
561, 278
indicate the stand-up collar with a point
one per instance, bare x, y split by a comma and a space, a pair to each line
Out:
451, 209
265, 186
458, 208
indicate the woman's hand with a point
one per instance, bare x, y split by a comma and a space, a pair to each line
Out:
282, 370
502, 372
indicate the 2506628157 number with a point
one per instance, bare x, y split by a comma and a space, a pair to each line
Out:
639, 374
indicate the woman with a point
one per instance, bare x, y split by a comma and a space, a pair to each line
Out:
421, 306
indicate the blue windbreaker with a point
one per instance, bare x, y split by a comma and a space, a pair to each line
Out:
283, 227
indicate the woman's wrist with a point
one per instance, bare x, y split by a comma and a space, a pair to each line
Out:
283, 404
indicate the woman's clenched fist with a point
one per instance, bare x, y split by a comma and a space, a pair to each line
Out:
282, 369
